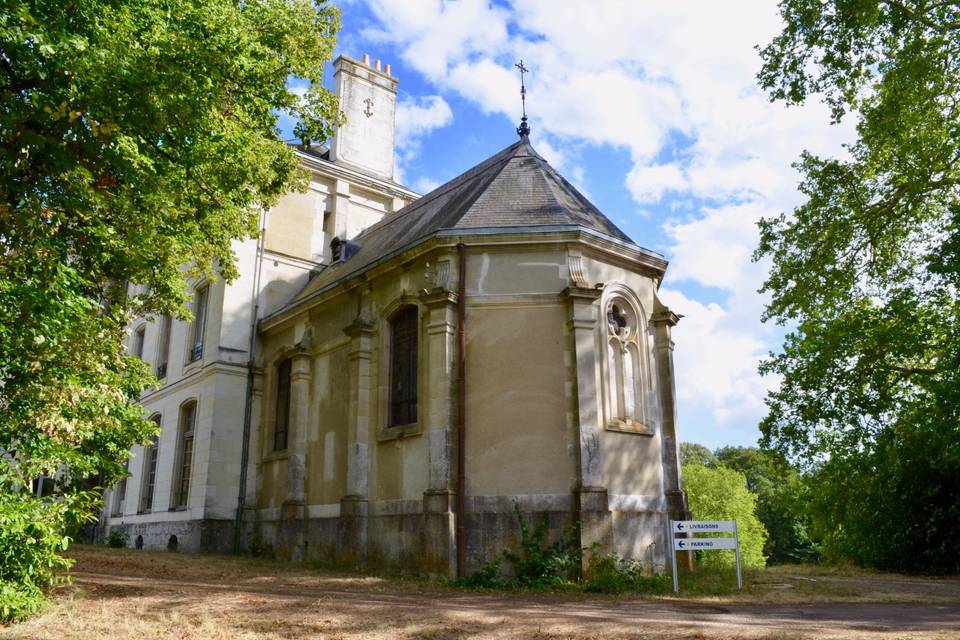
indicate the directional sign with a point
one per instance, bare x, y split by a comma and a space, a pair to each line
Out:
704, 544
690, 528
703, 526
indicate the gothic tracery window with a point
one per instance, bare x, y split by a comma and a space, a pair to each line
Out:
625, 398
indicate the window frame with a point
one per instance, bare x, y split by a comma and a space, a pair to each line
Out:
119, 496
139, 340
183, 469
148, 471
403, 367
282, 404
198, 326
631, 339
163, 346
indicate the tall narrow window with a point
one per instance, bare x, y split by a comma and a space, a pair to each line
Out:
188, 420
120, 492
138, 338
149, 472
163, 350
282, 424
403, 366
199, 322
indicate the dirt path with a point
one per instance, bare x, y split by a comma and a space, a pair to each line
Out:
140, 597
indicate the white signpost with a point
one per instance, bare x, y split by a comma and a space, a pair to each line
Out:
692, 527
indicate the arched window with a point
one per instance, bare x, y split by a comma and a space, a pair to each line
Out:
625, 393
281, 426
188, 422
149, 471
404, 330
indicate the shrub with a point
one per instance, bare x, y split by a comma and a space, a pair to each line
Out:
609, 573
538, 565
117, 539
487, 577
31, 536
722, 494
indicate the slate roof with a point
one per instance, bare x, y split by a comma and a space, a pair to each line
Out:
514, 188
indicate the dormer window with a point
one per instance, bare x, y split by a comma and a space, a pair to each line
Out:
336, 249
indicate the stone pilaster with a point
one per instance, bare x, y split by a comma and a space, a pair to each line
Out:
293, 508
439, 534
663, 321
352, 528
590, 494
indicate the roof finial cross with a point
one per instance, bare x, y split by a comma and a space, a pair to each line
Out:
524, 129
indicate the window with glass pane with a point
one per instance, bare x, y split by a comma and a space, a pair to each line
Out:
199, 322
163, 352
282, 424
403, 367
149, 472
138, 337
188, 419
120, 492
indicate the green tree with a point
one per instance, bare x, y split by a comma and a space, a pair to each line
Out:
693, 453
722, 494
865, 273
782, 500
139, 136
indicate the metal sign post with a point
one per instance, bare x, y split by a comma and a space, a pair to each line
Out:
703, 544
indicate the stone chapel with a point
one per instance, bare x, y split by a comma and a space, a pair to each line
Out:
391, 373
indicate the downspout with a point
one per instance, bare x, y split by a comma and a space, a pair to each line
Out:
248, 397
461, 413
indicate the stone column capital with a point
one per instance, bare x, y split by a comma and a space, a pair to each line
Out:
438, 297
360, 328
581, 295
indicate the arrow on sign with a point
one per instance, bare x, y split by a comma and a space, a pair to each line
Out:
681, 544
679, 526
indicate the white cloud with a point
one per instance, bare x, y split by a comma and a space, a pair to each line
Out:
418, 117
647, 184
674, 85
425, 185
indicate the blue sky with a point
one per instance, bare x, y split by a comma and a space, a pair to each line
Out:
652, 110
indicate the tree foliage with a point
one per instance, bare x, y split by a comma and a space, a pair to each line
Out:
782, 500
140, 136
693, 453
722, 494
865, 273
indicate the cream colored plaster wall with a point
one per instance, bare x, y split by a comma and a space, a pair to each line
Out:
513, 271
631, 463
517, 436
327, 436
290, 230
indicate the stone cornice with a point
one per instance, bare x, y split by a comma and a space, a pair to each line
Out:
598, 245
341, 172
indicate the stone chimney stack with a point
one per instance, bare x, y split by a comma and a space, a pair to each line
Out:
368, 98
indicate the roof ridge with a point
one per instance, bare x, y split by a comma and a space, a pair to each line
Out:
442, 189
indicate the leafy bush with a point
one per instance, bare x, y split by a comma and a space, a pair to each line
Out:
117, 539
539, 565
31, 536
722, 494
609, 573
782, 500
487, 577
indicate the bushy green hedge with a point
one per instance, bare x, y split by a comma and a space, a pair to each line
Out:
31, 537
721, 494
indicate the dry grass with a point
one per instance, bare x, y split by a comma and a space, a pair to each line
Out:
129, 595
